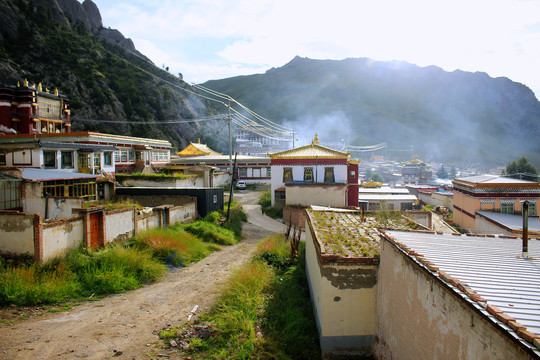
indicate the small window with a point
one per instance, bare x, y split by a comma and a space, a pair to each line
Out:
242, 172
49, 159
287, 175
507, 207
107, 158
308, 174
2, 158
67, 159
131, 155
123, 156
532, 209
215, 199
329, 175
117, 156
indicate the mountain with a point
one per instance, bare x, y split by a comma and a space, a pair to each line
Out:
63, 44
456, 117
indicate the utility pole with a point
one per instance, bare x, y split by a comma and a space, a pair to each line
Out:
230, 141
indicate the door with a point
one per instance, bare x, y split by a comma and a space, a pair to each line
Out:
95, 222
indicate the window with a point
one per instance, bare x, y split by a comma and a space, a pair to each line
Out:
287, 175
117, 156
123, 156
242, 172
507, 207
308, 174
49, 159
329, 175
131, 155
2, 158
10, 194
76, 188
107, 158
532, 209
97, 160
67, 159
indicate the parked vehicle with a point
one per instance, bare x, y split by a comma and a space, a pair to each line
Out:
241, 185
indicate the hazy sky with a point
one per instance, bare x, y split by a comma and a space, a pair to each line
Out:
214, 39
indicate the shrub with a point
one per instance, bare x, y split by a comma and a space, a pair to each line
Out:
211, 233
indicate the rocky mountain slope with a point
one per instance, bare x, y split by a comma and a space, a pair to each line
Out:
63, 44
457, 117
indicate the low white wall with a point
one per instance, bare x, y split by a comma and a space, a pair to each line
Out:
195, 181
183, 214
324, 195
62, 237
119, 225
147, 221
17, 234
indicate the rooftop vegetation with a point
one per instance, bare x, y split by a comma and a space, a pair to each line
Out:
349, 234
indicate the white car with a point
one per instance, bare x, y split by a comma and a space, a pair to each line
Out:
241, 185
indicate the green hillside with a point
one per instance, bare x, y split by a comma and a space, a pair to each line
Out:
458, 116
105, 78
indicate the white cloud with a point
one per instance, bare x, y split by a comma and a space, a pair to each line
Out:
500, 37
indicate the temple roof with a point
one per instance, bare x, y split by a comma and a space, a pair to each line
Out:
197, 150
312, 151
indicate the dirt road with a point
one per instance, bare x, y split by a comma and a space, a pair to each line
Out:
122, 326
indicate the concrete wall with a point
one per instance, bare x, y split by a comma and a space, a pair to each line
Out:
16, 234
423, 218
194, 181
183, 214
61, 236
418, 317
344, 302
323, 195
119, 225
20, 235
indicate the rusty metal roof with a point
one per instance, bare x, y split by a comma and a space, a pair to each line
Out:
493, 267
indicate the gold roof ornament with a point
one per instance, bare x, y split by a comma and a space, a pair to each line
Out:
39, 87
56, 91
25, 82
315, 140
18, 84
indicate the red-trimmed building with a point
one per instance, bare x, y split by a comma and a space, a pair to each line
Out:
315, 175
491, 193
30, 109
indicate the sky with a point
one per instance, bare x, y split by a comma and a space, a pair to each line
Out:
216, 39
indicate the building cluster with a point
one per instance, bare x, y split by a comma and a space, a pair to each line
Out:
391, 285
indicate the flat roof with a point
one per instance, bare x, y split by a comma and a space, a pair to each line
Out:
493, 179
491, 266
383, 197
347, 233
510, 221
383, 190
49, 174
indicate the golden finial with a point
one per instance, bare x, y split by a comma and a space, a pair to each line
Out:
18, 84
315, 140
46, 90
56, 91
39, 87
25, 82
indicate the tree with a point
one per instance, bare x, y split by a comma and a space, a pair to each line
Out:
376, 177
442, 173
521, 169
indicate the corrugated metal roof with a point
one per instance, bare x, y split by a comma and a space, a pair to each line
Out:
48, 174
386, 197
493, 267
492, 179
383, 190
514, 222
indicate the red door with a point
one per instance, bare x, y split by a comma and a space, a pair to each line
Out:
94, 230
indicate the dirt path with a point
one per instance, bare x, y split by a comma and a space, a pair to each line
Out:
122, 326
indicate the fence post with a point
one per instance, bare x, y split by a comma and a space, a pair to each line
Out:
38, 238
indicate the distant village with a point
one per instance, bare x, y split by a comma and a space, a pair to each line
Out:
405, 260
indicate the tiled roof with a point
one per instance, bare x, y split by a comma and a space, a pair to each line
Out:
484, 268
311, 151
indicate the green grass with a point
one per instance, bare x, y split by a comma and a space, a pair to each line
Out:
266, 203
114, 205
83, 273
263, 312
